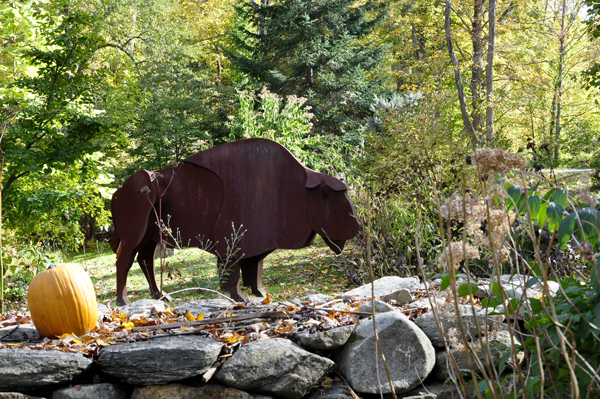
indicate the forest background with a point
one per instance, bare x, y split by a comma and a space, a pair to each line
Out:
391, 96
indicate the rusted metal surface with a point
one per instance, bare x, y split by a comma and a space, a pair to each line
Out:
254, 183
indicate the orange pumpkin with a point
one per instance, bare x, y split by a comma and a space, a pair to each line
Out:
62, 300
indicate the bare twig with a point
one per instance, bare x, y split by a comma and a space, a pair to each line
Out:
216, 320
198, 289
373, 306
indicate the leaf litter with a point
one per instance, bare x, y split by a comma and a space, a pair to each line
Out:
235, 325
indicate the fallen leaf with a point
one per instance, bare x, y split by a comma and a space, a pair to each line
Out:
267, 300
234, 338
189, 316
128, 325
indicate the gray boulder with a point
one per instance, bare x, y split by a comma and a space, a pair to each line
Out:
96, 391
385, 285
516, 287
178, 391
315, 298
29, 369
161, 360
274, 367
401, 296
102, 311
337, 390
409, 355
325, 340
17, 395
495, 346
475, 325
380, 307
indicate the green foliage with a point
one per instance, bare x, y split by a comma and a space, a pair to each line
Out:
410, 147
183, 112
62, 208
54, 127
574, 315
392, 227
550, 209
288, 123
315, 49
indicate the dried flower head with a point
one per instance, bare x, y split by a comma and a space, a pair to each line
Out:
453, 208
492, 161
453, 254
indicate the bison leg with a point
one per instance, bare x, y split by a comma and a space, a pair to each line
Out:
230, 280
124, 262
146, 261
252, 270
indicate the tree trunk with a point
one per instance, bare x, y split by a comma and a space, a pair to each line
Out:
489, 73
477, 65
555, 112
459, 84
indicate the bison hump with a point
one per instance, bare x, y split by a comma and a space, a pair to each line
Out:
264, 189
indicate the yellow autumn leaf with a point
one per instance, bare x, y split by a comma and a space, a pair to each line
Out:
190, 317
102, 342
120, 316
234, 338
327, 383
87, 338
128, 325
267, 300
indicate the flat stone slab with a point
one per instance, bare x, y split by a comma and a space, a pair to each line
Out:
143, 308
160, 360
86, 391
275, 367
23, 332
178, 391
30, 369
385, 285
208, 307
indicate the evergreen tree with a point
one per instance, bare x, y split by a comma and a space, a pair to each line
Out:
318, 49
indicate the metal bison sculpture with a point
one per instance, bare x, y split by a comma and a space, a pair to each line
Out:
256, 183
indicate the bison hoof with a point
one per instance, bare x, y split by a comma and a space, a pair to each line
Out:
123, 302
162, 295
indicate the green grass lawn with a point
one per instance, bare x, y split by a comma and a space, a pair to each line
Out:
287, 273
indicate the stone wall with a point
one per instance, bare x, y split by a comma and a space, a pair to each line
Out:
337, 363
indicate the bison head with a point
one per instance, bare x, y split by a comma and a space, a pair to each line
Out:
330, 209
